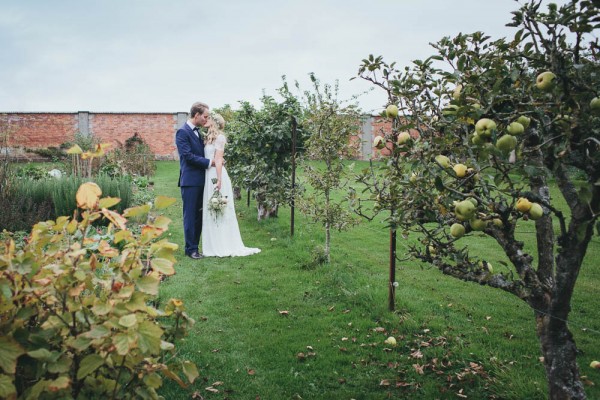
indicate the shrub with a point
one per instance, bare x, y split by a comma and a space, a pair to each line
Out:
76, 319
132, 158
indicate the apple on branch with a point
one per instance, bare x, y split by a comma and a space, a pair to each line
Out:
545, 80
484, 127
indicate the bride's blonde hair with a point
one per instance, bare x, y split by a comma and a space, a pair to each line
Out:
217, 124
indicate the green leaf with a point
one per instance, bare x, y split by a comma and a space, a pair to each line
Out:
62, 366
124, 342
128, 320
153, 380
190, 371
149, 335
41, 354
89, 364
80, 343
60, 383
7, 389
137, 302
148, 284
10, 350
98, 332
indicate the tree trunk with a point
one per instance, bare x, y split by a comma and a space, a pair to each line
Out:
264, 211
327, 242
559, 351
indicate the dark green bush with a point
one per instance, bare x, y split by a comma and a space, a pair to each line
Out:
30, 201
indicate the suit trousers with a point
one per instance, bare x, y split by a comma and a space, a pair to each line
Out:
192, 216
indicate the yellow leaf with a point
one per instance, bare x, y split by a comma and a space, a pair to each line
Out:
87, 195
123, 235
137, 211
108, 202
116, 218
162, 222
163, 202
75, 149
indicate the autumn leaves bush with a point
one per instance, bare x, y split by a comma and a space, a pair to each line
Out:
78, 315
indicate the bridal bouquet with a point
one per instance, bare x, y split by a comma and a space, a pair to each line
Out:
217, 203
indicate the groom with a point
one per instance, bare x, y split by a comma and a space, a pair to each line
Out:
192, 168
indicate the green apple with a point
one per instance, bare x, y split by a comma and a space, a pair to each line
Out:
498, 222
484, 127
413, 178
456, 92
489, 267
457, 230
473, 200
515, 128
391, 341
545, 80
595, 105
464, 210
536, 211
460, 170
477, 224
595, 364
379, 142
506, 143
525, 121
451, 109
391, 111
443, 161
403, 138
523, 204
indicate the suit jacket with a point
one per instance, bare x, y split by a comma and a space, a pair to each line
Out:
192, 163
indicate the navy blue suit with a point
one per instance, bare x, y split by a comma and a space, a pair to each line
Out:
192, 169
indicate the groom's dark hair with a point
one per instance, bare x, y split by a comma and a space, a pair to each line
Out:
198, 107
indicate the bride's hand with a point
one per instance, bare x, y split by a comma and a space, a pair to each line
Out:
218, 185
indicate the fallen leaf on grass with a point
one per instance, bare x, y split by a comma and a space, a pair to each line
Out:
416, 354
284, 313
251, 372
384, 382
419, 368
211, 389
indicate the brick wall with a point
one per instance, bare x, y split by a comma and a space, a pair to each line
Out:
42, 130
158, 130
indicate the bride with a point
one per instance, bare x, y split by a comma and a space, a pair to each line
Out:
220, 231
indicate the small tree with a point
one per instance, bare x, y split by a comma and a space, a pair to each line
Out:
331, 127
259, 151
508, 117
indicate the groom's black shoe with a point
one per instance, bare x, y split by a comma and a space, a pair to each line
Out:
195, 255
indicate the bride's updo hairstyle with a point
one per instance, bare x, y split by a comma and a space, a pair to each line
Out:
217, 124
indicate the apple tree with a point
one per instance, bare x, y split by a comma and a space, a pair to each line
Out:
331, 126
498, 120
259, 151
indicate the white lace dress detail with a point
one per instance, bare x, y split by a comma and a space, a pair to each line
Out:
221, 236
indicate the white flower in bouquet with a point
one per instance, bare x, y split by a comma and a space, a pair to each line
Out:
218, 203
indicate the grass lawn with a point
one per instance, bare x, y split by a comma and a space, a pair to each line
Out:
272, 326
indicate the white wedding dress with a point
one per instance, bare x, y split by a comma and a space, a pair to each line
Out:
221, 235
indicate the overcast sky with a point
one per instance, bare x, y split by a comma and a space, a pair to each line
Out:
162, 55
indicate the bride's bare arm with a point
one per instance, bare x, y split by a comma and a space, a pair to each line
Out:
219, 160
